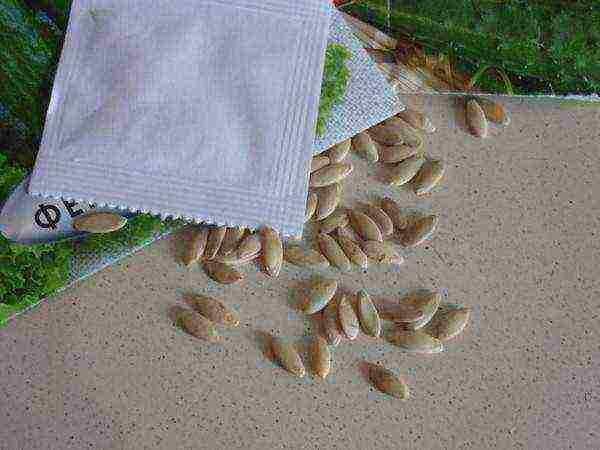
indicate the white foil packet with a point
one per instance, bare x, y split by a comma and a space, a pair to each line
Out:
196, 109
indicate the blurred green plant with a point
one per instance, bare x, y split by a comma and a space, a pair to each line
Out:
542, 46
29, 49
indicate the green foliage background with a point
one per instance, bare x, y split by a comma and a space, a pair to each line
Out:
544, 46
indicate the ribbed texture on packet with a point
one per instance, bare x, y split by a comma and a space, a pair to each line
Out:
369, 98
199, 109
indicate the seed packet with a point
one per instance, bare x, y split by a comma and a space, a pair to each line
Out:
200, 110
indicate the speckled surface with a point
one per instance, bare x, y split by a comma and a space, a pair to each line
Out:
101, 367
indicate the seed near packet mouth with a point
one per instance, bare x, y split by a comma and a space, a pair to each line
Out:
201, 110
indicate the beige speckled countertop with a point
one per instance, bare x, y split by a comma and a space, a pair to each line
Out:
101, 367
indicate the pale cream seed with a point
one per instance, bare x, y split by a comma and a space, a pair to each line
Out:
380, 217
223, 273
215, 239
318, 162
99, 222
318, 295
272, 252
336, 220
476, 120
328, 199
365, 226
214, 310
347, 318
428, 176
194, 324
333, 252
320, 357
388, 383
365, 147
368, 315
392, 209
338, 152
333, 173
287, 356
353, 251
195, 247
305, 257
311, 206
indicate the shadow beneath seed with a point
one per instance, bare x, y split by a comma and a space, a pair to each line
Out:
344, 292
187, 297
388, 326
262, 340
460, 117
388, 330
181, 295
411, 187
364, 368
178, 243
418, 292
316, 325
172, 313
297, 295
383, 173
303, 348
360, 205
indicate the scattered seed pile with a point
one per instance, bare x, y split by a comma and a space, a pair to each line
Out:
420, 324
345, 239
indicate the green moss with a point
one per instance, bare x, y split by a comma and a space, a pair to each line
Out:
544, 47
30, 273
27, 273
335, 81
